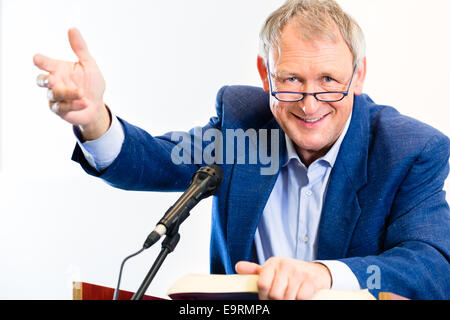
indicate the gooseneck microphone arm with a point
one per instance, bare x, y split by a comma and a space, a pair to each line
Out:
203, 184
168, 245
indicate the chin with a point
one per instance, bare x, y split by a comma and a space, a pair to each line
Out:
309, 146
307, 141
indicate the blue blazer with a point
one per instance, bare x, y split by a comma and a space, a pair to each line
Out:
385, 214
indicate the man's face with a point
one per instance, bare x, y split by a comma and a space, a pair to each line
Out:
312, 66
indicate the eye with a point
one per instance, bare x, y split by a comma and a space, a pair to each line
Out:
292, 79
328, 79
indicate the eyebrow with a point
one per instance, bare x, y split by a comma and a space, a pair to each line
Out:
332, 73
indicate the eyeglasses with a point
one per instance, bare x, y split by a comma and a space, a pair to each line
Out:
288, 96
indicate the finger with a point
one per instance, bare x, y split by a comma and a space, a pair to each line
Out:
78, 45
279, 286
55, 106
244, 267
45, 81
293, 286
42, 80
266, 277
50, 96
62, 94
45, 63
61, 107
306, 291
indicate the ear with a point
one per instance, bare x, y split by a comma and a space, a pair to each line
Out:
262, 69
360, 77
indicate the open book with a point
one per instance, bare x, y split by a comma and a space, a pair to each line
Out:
241, 287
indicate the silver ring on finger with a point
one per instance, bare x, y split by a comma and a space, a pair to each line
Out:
55, 107
50, 95
42, 81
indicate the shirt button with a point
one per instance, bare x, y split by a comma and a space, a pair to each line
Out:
308, 193
305, 239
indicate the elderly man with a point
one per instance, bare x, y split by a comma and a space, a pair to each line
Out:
357, 201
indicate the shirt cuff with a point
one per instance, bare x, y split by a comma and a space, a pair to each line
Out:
342, 276
101, 153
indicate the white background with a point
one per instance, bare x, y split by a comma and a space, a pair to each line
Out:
164, 62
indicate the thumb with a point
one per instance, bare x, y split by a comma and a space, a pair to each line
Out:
244, 267
78, 45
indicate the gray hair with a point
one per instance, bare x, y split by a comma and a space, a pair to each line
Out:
317, 20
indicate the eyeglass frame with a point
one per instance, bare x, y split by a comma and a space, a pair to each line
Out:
305, 94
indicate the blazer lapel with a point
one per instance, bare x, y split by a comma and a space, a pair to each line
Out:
248, 195
341, 208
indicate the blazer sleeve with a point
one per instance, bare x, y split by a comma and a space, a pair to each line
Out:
415, 259
145, 162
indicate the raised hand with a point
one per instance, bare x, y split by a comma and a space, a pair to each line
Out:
75, 89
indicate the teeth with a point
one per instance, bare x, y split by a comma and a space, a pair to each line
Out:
312, 121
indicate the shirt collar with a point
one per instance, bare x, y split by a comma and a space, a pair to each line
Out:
329, 158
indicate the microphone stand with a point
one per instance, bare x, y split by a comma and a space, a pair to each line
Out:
168, 245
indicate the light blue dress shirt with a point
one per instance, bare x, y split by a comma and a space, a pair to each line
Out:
290, 221
101, 153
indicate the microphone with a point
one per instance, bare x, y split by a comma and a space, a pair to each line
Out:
204, 183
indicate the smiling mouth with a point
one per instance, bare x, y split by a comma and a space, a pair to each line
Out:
311, 120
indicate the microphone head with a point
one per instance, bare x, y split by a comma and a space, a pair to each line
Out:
212, 175
214, 171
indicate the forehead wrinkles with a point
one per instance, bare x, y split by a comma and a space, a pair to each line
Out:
304, 58
312, 52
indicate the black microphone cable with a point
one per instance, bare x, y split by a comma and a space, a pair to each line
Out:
116, 292
204, 183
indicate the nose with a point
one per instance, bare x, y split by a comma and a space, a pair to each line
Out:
309, 105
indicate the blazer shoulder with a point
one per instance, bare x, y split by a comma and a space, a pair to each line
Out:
242, 106
402, 134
